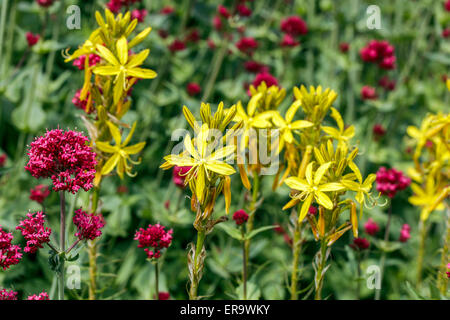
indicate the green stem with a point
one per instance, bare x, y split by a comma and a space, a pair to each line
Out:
442, 274
320, 268
421, 253
2, 29
383, 255
296, 249
92, 250
215, 70
358, 282
251, 217
196, 279
62, 243
156, 281
244, 266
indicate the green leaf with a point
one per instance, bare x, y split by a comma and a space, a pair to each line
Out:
232, 232
253, 292
256, 231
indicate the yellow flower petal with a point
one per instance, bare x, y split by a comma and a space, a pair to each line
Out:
134, 148
110, 164
323, 200
142, 73
296, 184
107, 55
220, 167
122, 50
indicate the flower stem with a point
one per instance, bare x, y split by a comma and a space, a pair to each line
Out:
383, 255
251, 217
442, 275
93, 250
62, 243
156, 281
2, 28
358, 283
320, 269
421, 253
197, 265
296, 249
215, 70
244, 266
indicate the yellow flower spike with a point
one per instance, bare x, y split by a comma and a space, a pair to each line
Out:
354, 219
312, 188
430, 197
343, 135
120, 151
140, 37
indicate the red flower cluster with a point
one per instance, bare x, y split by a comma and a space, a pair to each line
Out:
243, 10
240, 217
294, 26
163, 296
368, 93
289, 41
312, 210
404, 233
39, 193
446, 33
378, 131
448, 265
255, 67
177, 45
179, 175
447, 5
247, 45
192, 36
32, 38
41, 296
115, 5
9, 254
265, 77
193, 88
3, 158
81, 104
360, 244
65, 157
34, 232
344, 47
88, 225
154, 237
380, 52
139, 14
223, 12
167, 10
371, 227
45, 3
8, 295
93, 60
386, 83
390, 181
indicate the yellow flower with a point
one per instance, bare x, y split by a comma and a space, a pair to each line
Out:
202, 162
312, 188
316, 102
121, 153
429, 198
123, 66
286, 125
342, 135
271, 96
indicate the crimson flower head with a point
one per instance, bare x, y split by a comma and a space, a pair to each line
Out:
217, 23
344, 47
179, 175
240, 217
88, 225
312, 210
34, 232
243, 10
294, 26
45, 3
9, 254
193, 36
405, 233
114, 6
378, 131
163, 33
153, 239
448, 265
163, 296
387, 83
390, 181
368, 93
93, 60
167, 10
8, 295
32, 38
39, 193
177, 45
65, 157
371, 227
446, 33
447, 5
379, 52
193, 88
3, 158
360, 244
139, 14
41, 296
289, 41
255, 67
247, 45
267, 78
82, 104
223, 12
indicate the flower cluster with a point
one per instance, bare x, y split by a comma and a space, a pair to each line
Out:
177, 45
390, 181
3, 158
240, 217
368, 93
45, 3
266, 77
34, 232
379, 52
179, 175
360, 244
41, 296
65, 157
387, 83
116, 5
371, 227
88, 225
139, 14
93, 60
82, 104
32, 38
39, 193
247, 45
291, 27
405, 233
193, 88
8, 295
154, 237
9, 254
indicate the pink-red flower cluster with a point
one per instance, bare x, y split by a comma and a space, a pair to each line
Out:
344, 47
390, 181
41, 296
243, 10
153, 239
387, 83
368, 93
405, 233
179, 175
93, 60
8, 295
269, 79
448, 265
163, 296
255, 67
294, 26
139, 14
371, 227
115, 5
39, 193
9, 254
447, 5
289, 41
360, 244
65, 157
34, 232
32, 38
166, 10
192, 36
446, 33
247, 45
379, 52
177, 45
378, 131
88, 225
81, 104
45, 3
193, 88
3, 158
240, 217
